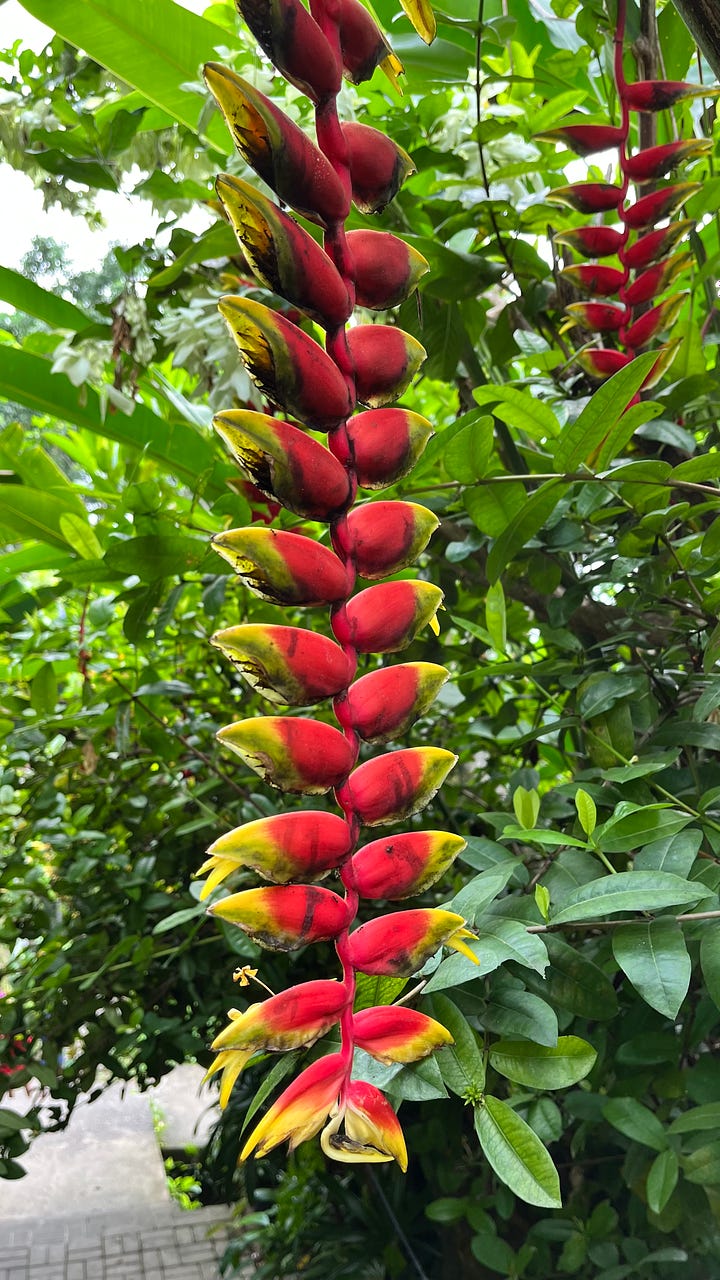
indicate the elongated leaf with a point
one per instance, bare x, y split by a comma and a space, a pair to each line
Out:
515, 1012
581, 438
519, 409
524, 525
371, 991
653, 955
27, 379
575, 983
635, 1121
157, 48
662, 1180
499, 940
492, 507
462, 1065
495, 616
630, 831
697, 1119
710, 960
481, 890
702, 1166
516, 1154
27, 296
32, 514
219, 241
468, 452
542, 1067
627, 891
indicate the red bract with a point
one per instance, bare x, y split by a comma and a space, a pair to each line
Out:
320, 386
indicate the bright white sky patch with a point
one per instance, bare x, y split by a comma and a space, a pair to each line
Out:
127, 220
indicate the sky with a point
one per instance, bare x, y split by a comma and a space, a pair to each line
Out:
127, 220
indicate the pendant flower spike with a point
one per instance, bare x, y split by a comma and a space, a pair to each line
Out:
321, 387
647, 265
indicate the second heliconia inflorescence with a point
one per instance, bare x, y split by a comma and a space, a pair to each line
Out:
321, 387
644, 249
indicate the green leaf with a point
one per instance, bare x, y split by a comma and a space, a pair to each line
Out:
697, 1119
528, 521
157, 48
527, 807
480, 891
500, 940
520, 410
710, 960
462, 1065
661, 1180
674, 853
586, 811
516, 1154
286, 1063
542, 900
599, 693
492, 507
627, 831
176, 918
580, 439
541, 835
420, 1082
542, 1067
154, 556
27, 296
371, 991
32, 514
703, 1165
80, 535
12, 1122
514, 1012
653, 955
44, 690
635, 1121
27, 379
219, 241
467, 454
495, 617
573, 982
626, 891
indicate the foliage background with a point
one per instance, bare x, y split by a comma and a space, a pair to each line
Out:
579, 559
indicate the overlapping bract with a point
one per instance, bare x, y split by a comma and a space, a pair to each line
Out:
647, 266
320, 387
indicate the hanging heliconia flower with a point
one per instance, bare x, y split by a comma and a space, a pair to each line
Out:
648, 265
321, 388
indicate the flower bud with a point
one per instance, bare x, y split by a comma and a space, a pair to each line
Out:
655, 162
306, 756
587, 197
372, 1130
386, 444
656, 244
295, 169
401, 866
592, 242
387, 618
388, 536
605, 282
656, 279
284, 568
391, 787
304, 845
600, 317
289, 367
658, 95
286, 464
286, 664
378, 167
653, 322
384, 703
301, 1110
387, 270
658, 205
294, 44
363, 44
601, 362
285, 917
386, 360
397, 945
584, 139
282, 255
392, 1033
298, 1016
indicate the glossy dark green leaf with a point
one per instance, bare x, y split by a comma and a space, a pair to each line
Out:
528, 521
635, 1121
662, 1180
544, 1067
516, 1154
653, 955
625, 831
710, 959
626, 891
514, 1012
462, 1065
580, 439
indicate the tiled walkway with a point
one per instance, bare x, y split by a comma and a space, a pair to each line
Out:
169, 1244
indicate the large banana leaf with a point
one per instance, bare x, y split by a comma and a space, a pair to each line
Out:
153, 45
28, 380
30, 297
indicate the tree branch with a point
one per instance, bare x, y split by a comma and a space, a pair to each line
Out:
701, 19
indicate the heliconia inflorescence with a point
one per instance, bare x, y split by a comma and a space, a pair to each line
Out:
646, 252
321, 387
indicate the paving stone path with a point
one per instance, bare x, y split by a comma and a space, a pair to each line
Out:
95, 1205
169, 1245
